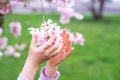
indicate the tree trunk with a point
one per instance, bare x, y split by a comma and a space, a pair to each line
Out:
1, 20
97, 13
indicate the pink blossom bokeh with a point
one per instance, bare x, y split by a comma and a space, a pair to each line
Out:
15, 28
20, 47
3, 42
9, 50
77, 38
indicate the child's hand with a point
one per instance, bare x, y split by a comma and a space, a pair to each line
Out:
66, 50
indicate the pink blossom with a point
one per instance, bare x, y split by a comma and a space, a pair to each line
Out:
66, 14
3, 43
77, 38
5, 9
80, 39
10, 50
64, 3
20, 46
64, 20
17, 55
1, 54
15, 28
1, 31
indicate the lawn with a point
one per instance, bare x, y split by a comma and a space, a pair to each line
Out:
99, 59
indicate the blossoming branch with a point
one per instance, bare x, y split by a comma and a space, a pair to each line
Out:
48, 29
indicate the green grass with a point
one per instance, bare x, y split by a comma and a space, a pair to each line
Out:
97, 60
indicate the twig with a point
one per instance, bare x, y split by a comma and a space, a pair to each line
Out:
43, 10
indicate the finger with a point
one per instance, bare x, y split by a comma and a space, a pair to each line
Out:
48, 43
67, 42
66, 37
57, 51
63, 49
64, 33
68, 45
34, 40
54, 47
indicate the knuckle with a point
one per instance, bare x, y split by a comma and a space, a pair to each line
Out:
54, 55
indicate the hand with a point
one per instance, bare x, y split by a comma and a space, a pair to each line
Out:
66, 50
38, 55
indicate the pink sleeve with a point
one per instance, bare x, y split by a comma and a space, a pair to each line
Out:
43, 77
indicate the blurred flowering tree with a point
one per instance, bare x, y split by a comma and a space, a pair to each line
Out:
6, 7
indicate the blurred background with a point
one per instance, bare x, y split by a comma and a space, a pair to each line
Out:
97, 20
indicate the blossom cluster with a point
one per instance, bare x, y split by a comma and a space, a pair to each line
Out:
5, 9
46, 30
77, 38
67, 13
66, 10
6, 6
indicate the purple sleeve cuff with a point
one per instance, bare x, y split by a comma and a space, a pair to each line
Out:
43, 77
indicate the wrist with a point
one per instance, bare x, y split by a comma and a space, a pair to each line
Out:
51, 65
29, 70
50, 71
31, 63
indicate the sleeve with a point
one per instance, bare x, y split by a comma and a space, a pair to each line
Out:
21, 77
43, 77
